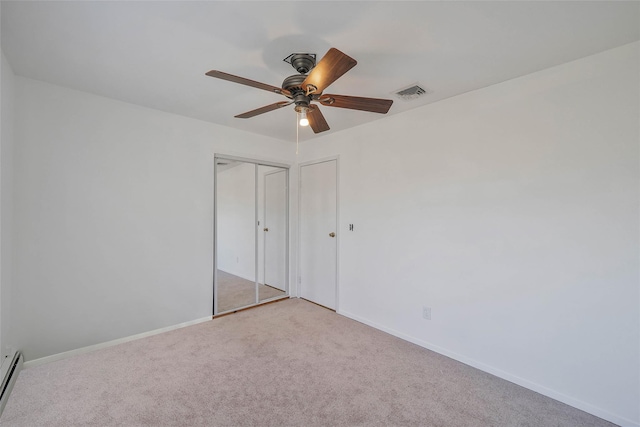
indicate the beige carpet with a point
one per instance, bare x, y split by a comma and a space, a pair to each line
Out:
235, 292
290, 363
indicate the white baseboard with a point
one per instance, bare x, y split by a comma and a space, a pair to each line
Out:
67, 354
583, 406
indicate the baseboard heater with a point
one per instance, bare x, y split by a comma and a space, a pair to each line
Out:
10, 376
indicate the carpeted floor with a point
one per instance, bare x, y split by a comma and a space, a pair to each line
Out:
290, 363
235, 292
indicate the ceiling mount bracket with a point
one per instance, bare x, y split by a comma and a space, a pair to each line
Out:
302, 62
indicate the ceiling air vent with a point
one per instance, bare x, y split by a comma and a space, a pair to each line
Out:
412, 92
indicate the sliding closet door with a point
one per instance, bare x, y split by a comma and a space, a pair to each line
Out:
251, 234
236, 235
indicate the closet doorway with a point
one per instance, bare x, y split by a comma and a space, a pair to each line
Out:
251, 233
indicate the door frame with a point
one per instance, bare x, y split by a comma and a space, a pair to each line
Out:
257, 162
338, 232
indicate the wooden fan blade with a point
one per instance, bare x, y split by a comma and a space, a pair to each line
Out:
262, 110
332, 65
316, 119
374, 105
247, 82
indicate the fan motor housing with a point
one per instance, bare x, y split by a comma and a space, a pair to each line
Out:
301, 100
293, 83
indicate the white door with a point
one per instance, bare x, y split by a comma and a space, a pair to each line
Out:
318, 233
275, 231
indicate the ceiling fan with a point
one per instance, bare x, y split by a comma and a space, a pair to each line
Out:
308, 86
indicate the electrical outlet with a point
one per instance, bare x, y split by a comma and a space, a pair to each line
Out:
426, 313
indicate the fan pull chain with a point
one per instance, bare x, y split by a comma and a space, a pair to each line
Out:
297, 131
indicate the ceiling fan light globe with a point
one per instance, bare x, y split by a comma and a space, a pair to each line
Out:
304, 121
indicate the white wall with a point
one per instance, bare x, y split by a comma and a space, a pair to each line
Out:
512, 212
113, 215
6, 204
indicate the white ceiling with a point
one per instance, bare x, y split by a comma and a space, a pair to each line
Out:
156, 54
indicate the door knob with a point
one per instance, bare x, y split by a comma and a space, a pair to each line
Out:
266, 229
332, 234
